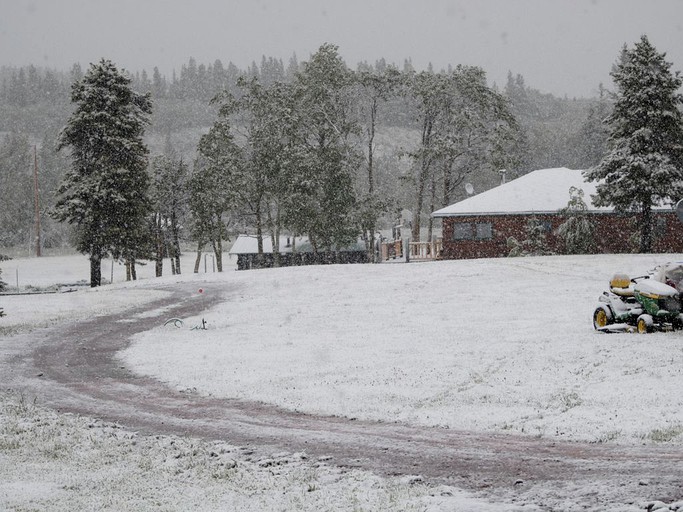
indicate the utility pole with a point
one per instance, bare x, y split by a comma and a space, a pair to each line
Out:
36, 199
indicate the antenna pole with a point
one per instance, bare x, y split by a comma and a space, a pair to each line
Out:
36, 199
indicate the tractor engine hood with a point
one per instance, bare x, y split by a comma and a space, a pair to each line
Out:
654, 289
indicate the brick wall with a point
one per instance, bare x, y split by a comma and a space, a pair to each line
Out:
612, 233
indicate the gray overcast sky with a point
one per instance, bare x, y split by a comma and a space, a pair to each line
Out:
559, 46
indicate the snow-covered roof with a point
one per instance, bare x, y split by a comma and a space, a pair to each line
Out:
542, 191
248, 244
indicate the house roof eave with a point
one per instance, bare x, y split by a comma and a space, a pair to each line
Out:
505, 214
603, 211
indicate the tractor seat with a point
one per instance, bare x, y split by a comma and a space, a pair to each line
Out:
620, 284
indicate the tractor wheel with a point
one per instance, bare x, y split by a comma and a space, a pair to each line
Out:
644, 324
602, 317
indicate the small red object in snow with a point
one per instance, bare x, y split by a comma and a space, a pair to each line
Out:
201, 290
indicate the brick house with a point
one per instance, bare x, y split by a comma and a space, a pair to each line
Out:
479, 226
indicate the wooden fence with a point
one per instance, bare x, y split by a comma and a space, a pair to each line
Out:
419, 251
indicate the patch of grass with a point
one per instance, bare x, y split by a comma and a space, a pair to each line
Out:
56, 450
22, 407
13, 330
608, 437
567, 401
477, 378
224, 472
7, 440
26, 328
665, 435
13, 416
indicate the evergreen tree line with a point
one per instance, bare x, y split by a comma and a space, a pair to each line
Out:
547, 130
31, 85
35, 100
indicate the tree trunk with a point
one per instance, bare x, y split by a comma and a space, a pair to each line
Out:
259, 235
430, 226
95, 269
446, 200
275, 230
159, 260
133, 271
425, 164
176, 241
198, 260
217, 244
371, 181
168, 246
218, 252
419, 200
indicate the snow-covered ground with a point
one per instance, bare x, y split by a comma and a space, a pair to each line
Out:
501, 345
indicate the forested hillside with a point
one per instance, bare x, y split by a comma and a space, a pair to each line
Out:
396, 164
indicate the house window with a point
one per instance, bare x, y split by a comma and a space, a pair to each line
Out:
471, 231
462, 231
484, 231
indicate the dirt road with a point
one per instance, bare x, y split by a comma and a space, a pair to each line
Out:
73, 368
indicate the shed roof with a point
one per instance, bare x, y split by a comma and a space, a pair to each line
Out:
542, 191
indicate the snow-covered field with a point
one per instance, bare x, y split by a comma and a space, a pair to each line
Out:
501, 345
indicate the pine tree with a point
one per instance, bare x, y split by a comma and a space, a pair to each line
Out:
52, 166
158, 84
535, 242
105, 193
577, 231
536, 237
644, 166
591, 140
16, 191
